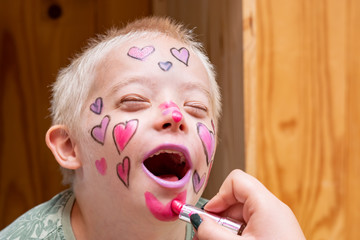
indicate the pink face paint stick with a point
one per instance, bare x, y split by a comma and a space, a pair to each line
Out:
186, 210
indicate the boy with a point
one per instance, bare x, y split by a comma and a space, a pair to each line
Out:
134, 119
134, 123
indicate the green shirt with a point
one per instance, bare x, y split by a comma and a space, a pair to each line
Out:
51, 220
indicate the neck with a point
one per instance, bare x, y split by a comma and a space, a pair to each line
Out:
88, 226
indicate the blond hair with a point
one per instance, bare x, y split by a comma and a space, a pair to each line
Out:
74, 82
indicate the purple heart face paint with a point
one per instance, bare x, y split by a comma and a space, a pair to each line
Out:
96, 107
149, 128
165, 66
98, 132
182, 55
197, 181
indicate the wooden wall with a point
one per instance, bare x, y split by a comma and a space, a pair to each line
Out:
302, 109
36, 39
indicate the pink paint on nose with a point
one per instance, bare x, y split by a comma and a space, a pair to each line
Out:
176, 115
166, 111
170, 106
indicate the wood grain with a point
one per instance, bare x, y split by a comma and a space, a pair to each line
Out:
33, 47
302, 109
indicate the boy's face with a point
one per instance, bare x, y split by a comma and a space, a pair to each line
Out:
149, 128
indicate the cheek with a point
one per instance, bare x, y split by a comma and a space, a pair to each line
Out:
207, 138
108, 148
208, 174
123, 133
206, 148
98, 132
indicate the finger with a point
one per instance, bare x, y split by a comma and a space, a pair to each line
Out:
238, 187
208, 229
235, 212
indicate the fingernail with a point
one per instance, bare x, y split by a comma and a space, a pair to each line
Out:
203, 206
195, 220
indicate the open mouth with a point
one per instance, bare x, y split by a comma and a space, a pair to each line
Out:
168, 165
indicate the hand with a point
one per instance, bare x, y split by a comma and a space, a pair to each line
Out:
244, 198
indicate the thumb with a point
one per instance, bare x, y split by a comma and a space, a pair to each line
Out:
207, 229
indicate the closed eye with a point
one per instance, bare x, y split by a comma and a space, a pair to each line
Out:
133, 102
196, 109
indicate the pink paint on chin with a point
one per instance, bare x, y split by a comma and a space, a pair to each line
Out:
160, 211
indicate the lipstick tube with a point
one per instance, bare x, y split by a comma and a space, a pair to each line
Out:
231, 224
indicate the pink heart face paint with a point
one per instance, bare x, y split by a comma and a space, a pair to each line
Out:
182, 55
168, 107
123, 132
96, 107
101, 166
98, 132
140, 53
123, 170
208, 141
197, 181
160, 211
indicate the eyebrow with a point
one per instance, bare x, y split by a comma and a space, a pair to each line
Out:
150, 84
131, 80
192, 85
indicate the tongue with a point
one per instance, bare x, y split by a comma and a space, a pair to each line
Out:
169, 177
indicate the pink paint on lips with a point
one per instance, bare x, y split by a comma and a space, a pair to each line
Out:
160, 211
162, 182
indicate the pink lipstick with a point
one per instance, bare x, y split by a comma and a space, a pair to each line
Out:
186, 210
162, 212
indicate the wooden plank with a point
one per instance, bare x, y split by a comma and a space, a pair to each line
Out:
302, 110
249, 55
33, 47
225, 50
351, 172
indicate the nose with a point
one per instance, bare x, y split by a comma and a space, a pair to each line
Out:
173, 125
171, 119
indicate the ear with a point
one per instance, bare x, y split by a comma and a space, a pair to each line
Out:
63, 148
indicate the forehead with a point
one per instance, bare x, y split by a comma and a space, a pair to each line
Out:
153, 58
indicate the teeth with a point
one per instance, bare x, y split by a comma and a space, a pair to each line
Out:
182, 157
